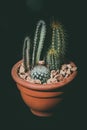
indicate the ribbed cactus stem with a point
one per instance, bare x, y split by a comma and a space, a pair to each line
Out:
56, 52
63, 43
56, 37
59, 39
58, 42
26, 53
52, 59
38, 41
53, 38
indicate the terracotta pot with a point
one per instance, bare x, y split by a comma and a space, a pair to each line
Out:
42, 99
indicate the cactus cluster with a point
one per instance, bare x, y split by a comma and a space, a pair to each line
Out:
54, 55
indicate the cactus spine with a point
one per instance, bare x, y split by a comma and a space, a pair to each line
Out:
26, 54
38, 41
56, 52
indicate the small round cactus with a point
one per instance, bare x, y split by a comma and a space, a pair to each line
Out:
40, 72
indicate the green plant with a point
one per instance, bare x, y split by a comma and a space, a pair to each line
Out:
40, 72
56, 53
38, 41
26, 54
54, 56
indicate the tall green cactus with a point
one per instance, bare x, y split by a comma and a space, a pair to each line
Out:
26, 53
57, 49
38, 41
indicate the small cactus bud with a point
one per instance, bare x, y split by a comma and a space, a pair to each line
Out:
41, 62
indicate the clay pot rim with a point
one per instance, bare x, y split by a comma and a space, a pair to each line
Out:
40, 87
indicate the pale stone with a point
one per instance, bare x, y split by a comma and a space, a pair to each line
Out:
51, 80
28, 78
69, 66
64, 67
68, 72
54, 73
56, 76
60, 78
31, 80
73, 69
23, 76
66, 75
22, 70
62, 72
37, 81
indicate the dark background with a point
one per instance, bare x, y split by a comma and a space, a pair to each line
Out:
17, 19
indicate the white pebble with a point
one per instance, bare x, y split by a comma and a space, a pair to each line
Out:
73, 69
22, 70
69, 66
62, 72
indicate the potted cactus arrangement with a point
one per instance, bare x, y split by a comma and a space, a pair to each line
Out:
41, 76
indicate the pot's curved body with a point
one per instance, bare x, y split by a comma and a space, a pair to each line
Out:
42, 99
41, 103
